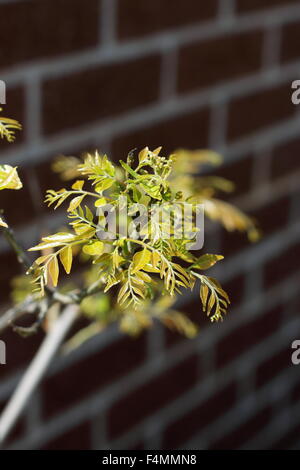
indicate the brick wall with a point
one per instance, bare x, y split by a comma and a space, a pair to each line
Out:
118, 74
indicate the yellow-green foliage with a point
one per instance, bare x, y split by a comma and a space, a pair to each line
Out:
132, 281
140, 272
8, 127
9, 179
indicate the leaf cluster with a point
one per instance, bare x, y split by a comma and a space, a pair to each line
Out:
138, 271
8, 127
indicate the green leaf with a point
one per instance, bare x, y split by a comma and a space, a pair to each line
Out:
129, 170
75, 203
103, 185
8, 127
9, 178
100, 202
61, 237
204, 291
66, 258
94, 248
143, 154
89, 215
45, 246
2, 223
53, 241
78, 185
140, 260
41, 259
117, 259
207, 261
53, 270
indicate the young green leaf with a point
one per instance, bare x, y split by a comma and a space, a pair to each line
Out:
94, 248
75, 203
78, 185
53, 270
66, 258
9, 178
207, 261
2, 223
140, 260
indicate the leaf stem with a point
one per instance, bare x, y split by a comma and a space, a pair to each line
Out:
17, 248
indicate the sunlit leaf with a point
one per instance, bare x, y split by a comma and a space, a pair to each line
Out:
94, 248
2, 223
53, 270
78, 185
140, 260
66, 258
75, 203
9, 178
207, 261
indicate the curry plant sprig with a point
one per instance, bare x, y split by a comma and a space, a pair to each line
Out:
135, 267
9, 179
8, 127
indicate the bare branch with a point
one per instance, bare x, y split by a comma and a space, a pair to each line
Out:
36, 370
28, 306
16, 247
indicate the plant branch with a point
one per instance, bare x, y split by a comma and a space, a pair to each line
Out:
36, 370
16, 247
11, 315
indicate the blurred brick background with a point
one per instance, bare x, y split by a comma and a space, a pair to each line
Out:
119, 74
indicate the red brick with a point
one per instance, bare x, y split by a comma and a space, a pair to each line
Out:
285, 159
252, 5
296, 393
247, 336
273, 216
213, 61
198, 418
288, 440
77, 438
139, 445
136, 18
289, 42
19, 351
90, 374
279, 268
32, 29
150, 397
259, 111
193, 310
273, 366
93, 94
235, 288
187, 130
239, 436
239, 172
233, 242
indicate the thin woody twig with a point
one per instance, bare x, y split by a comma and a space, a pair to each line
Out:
36, 370
16, 312
17, 248
31, 305
35, 305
